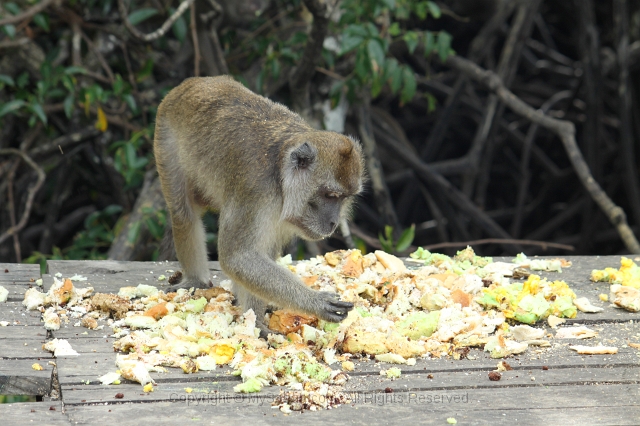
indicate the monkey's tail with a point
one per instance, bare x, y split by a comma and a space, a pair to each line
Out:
167, 247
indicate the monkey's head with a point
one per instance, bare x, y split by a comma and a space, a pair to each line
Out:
321, 175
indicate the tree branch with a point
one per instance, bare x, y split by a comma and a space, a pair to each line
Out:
32, 192
299, 83
28, 13
160, 31
566, 131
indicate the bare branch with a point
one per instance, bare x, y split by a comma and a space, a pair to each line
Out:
299, 83
32, 192
160, 31
566, 131
196, 46
28, 13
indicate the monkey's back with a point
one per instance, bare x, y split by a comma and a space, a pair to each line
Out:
241, 131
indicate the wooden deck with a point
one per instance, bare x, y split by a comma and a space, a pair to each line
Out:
571, 389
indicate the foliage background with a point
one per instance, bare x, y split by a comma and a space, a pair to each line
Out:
79, 91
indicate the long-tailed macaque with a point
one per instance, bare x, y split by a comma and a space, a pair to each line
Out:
269, 175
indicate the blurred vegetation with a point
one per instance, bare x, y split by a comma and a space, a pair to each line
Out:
79, 92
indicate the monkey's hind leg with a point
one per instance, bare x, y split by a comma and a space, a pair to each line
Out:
248, 301
191, 248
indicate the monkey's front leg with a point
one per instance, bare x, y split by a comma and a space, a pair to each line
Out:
191, 249
263, 278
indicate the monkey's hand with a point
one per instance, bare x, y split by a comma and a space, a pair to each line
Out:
329, 307
189, 283
264, 279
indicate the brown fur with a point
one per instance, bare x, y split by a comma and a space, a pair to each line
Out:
269, 175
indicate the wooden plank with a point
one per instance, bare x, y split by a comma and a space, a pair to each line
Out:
17, 377
34, 413
169, 390
18, 273
16, 314
110, 276
23, 342
604, 404
557, 355
86, 368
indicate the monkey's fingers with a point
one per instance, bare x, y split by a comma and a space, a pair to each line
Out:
186, 283
333, 309
341, 306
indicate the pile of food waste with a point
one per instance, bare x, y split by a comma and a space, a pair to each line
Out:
437, 306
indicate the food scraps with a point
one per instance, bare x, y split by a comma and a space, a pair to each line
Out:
594, 350
439, 309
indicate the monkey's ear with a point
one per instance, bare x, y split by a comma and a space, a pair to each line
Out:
303, 156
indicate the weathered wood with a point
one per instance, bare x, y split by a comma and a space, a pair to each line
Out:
17, 377
23, 342
603, 404
574, 389
108, 276
16, 314
33, 413
18, 272
366, 385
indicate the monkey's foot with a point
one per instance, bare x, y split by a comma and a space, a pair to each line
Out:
264, 330
188, 283
329, 307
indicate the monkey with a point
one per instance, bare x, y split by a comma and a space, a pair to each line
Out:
268, 174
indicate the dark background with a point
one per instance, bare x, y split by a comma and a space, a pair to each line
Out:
79, 90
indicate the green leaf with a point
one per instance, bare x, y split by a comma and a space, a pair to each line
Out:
42, 21
112, 209
141, 15
145, 71
434, 9
22, 79
357, 29
363, 66
12, 8
386, 246
179, 29
11, 106
6, 79
36, 108
131, 102
431, 102
411, 38
376, 86
118, 84
391, 4
388, 232
74, 70
130, 154
372, 30
275, 68
409, 85
9, 30
429, 43
394, 29
134, 232
406, 238
376, 54
154, 228
350, 42
444, 45
421, 10
68, 105
335, 93
396, 79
